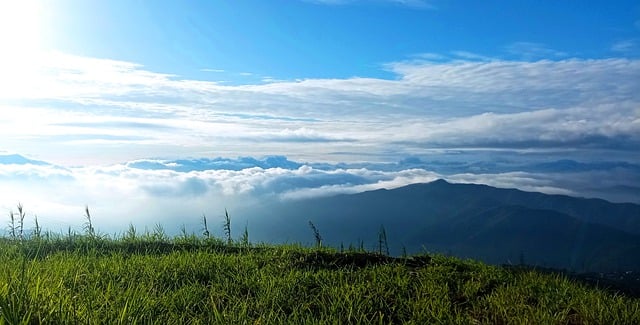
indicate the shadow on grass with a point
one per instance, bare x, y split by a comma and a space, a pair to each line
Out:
352, 260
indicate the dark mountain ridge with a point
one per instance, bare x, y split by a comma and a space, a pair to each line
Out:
468, 220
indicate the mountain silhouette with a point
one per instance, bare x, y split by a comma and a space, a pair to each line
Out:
13, 159
468, 220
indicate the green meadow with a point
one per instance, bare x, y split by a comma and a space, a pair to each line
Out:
152, 278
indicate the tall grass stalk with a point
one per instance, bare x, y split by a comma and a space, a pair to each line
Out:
244, 240
12, 225
88, 224
37, 231
316, 234
159, 233
383, 245
21, 216
205, 228
227, 227
131, 233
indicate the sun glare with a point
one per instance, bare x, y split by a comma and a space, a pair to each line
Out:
20, 39
19, 25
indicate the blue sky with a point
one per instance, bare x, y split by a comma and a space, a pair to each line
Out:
334, 39
233, 101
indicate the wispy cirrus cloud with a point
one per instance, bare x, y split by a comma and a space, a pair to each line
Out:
533, 51
465, 55
408, 3
117, 125
625, 46
212, 70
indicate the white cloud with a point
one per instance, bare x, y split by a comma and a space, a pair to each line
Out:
212, 70
384, 180
430, 57
520, 180
330, 2
600, 126
408, 3
90, 107
295, 135
415, 3
120, 194
471, 56
625, 46
533, 51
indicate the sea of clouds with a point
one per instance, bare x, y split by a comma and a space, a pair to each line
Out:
176, 192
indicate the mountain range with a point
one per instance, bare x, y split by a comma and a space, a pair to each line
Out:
478, 221
467, 220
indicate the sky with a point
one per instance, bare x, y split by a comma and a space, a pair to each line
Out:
151, 110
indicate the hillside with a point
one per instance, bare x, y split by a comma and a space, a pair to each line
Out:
466, 220
151, 278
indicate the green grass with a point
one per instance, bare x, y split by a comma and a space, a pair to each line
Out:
191, 280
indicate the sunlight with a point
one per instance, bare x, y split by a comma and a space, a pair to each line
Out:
20, 25
20, 40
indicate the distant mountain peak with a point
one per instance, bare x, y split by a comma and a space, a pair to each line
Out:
479, 221
15, 159
440, 181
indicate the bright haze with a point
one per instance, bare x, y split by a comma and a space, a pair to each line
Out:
159, 111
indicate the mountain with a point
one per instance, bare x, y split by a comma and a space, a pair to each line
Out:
13, 159
202, 164
467, 220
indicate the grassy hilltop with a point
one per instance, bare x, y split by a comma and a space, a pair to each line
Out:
188, 279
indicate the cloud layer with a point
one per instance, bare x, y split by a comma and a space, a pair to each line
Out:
65, 103
175, 192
